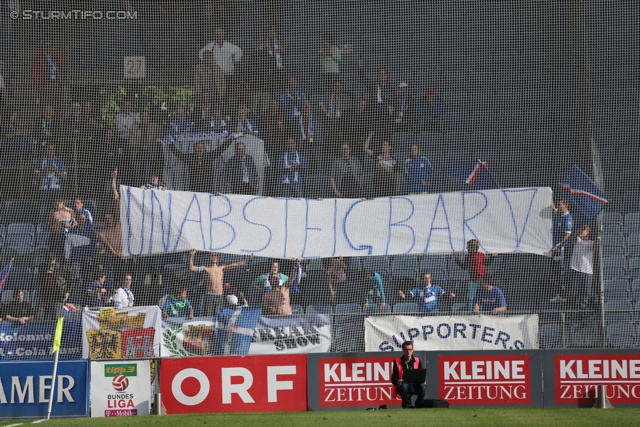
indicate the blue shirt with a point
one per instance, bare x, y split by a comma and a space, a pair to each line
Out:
50, 181
429, 297
177, 127
418, 169
293, 179
561, 226
431, 113
374, 289
292, 109
248, 125
488, 300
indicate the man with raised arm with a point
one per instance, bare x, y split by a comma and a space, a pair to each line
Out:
214, 298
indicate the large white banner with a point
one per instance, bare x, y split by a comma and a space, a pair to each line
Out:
514, 220
387, 333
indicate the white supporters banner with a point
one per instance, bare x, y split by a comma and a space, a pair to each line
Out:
387, 333
513, 220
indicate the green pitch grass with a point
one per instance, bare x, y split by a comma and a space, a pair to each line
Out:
392, 417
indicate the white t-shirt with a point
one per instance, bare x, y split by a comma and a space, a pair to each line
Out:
123, 298
225, 56
582, 258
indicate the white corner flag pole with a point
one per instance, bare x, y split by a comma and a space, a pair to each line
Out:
56, 349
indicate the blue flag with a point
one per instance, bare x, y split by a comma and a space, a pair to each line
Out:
583, 193
234, 330
475, 173
4, 274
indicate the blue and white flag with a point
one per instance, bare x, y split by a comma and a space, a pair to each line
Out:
475, 173
583, 193
234, 330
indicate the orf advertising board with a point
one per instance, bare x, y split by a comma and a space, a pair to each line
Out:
490, 379
25, 389
577, 377
234, 384
120, 388
352, 380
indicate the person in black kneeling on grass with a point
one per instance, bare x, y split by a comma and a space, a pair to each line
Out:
406, 389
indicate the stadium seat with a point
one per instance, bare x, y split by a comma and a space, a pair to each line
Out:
6, 296
20, 211
633, 251
615, 261
616, 294
613, 239
374, 309
2, 235
20, 278
550, 335
635, 290
614, 251
429, 263
457, 274
460, 307
406, 307
347, 313
320, 309
42, 236
379, 264
633, 239
404, 263
616, 283
21, 228
611, 227
612, 217
632, 222
634, 267
23, 244
622, 334
614, 272
618, 311
581, 336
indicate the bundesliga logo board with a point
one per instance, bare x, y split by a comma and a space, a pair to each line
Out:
120, 389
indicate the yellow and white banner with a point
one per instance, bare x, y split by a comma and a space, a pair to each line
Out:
126, 333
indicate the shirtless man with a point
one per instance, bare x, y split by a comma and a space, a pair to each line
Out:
214, 298
61, 220
276, 301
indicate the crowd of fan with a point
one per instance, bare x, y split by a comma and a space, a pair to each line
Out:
340, 138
